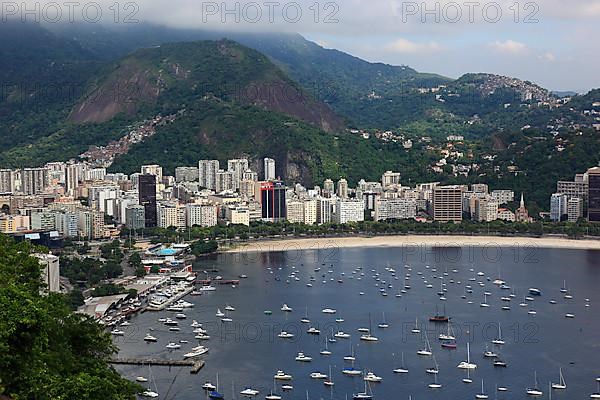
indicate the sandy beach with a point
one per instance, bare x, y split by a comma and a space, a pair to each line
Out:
409, 241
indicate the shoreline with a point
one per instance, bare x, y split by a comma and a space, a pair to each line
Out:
329, 243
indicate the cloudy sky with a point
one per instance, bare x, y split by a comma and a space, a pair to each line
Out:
552, 42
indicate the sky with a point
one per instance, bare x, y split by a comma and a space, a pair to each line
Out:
554, 43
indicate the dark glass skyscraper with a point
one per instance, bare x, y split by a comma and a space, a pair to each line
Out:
147, 198
594, 194
272, 200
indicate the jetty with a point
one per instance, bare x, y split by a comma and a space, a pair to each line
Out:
207, 282
195, 365
170, 300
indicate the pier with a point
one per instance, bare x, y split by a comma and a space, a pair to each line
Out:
196, 365
170, 300
206, 282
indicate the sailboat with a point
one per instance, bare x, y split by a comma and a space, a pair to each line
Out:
439, 317
435, 384
367, 336
427, 350
402, 369
416, 328
485, 303
534, 391
305, 319
325, 351
149, 392
214, 394
383, 324
499, 340
596, 395
351, 357
329, 380
449, 335
468, 379
561, 383
434, 369
272, 395
363, 395
467, 364
481, 395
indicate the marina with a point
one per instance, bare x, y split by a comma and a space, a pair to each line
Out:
277, 323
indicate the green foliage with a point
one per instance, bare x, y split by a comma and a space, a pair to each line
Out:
47, 351
107, 289
201, 247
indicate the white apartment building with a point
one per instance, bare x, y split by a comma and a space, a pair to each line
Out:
50, 271
347, 210
170, 214
207, 172
204, 215
269, 167
503, 196
394, 209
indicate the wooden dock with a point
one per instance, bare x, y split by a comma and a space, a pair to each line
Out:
196, 365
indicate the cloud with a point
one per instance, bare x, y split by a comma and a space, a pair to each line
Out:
549, 57
406, 46
509, 47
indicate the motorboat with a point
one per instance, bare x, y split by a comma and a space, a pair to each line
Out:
150, 338
249, 392
282, 376
371, 377
286, 308
303, 357
285, 335
173, 346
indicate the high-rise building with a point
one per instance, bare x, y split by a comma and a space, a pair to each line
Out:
390, 178
7, 181
328, 187
147, 198
479, 188
323, 210
574, 209
224, 181
247, 188
170, 214
155, 170
295, 211
135, 216
342, 188
594, 194
310, 212
394, 209
269, 166
349, 210
237, 167
249, 175
186, 174
207, 172
73, 175
272, 200
66, 223
558, 206
201, 215
503, 196
95, 174
447, 203
34, 180
43, 221
486, 209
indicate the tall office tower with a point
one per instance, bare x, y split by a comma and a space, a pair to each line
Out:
155, 170
272, 200
558, 206
34, 180
237, 167
447, 203
7, 181
342, 188
594, 194
269, 165
390, 178
147, 198
207, 172
135, 216
323, 210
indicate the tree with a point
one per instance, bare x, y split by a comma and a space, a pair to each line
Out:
47, 351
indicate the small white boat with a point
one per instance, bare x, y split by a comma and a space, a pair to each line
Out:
150, 338
328, 311
141, 379
249, 392
318, 375
282, 376
173, 346
117, 332
219, 313
286, 308
371, 377
534, 391
313, 331
229, 308
303, 357
285, 335
416, 328
481, 395
341, 335
467, 364
149, 393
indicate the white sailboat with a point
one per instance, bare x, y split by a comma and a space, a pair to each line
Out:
435, 384
402, 369
427, 350
329, 380
481, 395
499, 340
367, 337
272, 395
561, 383
468, 379
467, 364
325, 351
534, 391
383, 324
416, 328
485, 303
351, 357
